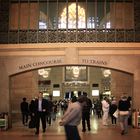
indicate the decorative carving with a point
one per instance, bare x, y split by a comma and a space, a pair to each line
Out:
110, 35
101, 35
23, 36
42, 36
91, 35
13, 37
81, 35
129, 35
120, 35
32, 36
72, 35
62, 36
52, 36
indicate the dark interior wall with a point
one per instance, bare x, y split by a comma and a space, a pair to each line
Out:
4, 21
137, 19
5, 34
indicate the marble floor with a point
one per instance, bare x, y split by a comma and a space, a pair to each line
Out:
56, 132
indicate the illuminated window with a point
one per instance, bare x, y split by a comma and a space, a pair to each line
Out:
42, 25
108, 25
72, 17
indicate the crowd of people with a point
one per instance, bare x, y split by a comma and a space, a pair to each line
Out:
38, 109
75, 110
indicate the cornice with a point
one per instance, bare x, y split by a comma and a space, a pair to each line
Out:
59, 49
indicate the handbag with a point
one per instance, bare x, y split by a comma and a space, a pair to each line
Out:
32, 123
116, 113
124, 113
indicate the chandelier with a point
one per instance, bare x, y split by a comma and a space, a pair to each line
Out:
76, 71
44, 72
106, 72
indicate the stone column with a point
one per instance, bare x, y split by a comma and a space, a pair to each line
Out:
136, 94
4, 88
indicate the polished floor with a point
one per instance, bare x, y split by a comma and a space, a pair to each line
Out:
56, 132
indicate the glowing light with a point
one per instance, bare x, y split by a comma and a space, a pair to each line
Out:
106, 73
72, 17
76, 71
108, 25
44, 72
41, 71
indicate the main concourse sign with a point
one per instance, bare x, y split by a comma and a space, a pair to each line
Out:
22, 64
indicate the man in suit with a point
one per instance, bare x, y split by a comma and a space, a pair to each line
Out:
40, 112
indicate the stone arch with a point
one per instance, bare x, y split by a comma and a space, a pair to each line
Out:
24, 71
23, 64
15, 65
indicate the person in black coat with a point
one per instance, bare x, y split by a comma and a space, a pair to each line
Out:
112, 109
32, 114
86, 114
49, 110
25, 111
40, 107
124, 106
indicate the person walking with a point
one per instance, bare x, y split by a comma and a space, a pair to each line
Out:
86, 114
98, 108
24, 107
124, 107
112, 109
40, 112
49, 111
105, 108
71, 118
32, 114
54, 113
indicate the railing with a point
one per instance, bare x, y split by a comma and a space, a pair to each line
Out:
71, 35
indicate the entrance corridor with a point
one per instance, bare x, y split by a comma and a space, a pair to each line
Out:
56, 132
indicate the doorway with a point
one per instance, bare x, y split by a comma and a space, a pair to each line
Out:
61, 83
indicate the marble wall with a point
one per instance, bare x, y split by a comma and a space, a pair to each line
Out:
19, 60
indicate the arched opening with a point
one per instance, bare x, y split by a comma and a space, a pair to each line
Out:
63, 82
73, 15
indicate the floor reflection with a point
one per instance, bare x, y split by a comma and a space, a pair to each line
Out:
98, 131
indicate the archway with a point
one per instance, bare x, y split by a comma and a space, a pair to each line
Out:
27, 84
